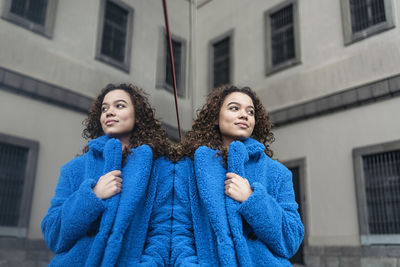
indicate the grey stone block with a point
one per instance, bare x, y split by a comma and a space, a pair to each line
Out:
350, 262
58, 94
313, 261
44, 90
381, 262
36, 244
380, 89
8, 243
394, 84
331, 262
12, 255
29, 85
278, 117
12, 79
351, 251
322, 105
349, 97
333, 251
364, 94
37, 255
315, 251
310, 108
295, 112
335, 101
84, 103
393, 251
374, 251
2, 71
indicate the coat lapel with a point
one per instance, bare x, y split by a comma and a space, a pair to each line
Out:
210, 175
135, 179
112, 155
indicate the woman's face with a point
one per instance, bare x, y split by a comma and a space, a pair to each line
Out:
117, 115
236, 118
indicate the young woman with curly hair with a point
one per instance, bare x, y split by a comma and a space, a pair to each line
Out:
112, 205
233, 204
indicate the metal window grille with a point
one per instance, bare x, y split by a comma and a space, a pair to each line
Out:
13, 161
33, 10
366, 13
177, 50
282, 35
382, 186
221, 64
114, 31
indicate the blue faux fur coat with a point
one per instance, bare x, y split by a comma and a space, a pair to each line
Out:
83, 230
211, 229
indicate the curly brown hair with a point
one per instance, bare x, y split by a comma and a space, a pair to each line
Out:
205, 129
147, 129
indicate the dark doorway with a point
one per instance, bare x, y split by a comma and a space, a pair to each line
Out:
298, 257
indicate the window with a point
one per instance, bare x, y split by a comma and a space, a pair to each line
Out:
221, 66
282, 37
164, 72
114, 41
363, 18
17, 173
35, 15
377, 174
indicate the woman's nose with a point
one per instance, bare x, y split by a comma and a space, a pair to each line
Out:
110, 112
243, 114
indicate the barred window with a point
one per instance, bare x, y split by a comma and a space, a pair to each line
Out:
12, 177
221, 62
35, 15
115, 39
365, 14
382, 186
17, 171
33, 10
164, 69
377, 171
282, 36
177, 50
363, 18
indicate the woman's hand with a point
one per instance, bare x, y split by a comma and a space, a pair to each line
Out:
108, 185
237, 187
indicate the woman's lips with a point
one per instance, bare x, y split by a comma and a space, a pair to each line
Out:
111, 122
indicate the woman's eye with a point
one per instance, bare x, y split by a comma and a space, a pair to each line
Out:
251, 112
104, 109
234, 108
120, 106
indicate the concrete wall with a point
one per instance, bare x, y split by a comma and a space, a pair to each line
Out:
327, 65
68, 60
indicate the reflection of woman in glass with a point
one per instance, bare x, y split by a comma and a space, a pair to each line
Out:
233, 204
104, 199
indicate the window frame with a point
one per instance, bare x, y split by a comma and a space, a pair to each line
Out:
162, 60
125, 65
44, 30
269, 67
21, 230
228, 34
350, 37
358, 153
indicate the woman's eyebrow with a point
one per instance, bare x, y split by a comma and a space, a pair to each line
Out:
116, 101
237, 103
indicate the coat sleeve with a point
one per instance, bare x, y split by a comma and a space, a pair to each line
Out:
158, 243
275, 220
183, 251
71, 213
